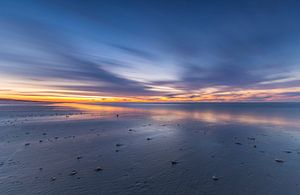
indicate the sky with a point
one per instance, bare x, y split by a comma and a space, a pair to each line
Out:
108, 51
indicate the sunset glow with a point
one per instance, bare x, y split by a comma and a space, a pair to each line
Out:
159, 52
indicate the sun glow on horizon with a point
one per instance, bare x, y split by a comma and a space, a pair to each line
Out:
205, 96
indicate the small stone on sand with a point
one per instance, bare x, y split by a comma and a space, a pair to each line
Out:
74, 172
98, 169
215, 178
279, 160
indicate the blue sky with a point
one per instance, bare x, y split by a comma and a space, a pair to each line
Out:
170, 50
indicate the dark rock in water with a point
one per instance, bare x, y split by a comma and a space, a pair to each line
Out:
287, 151
254, 146
130, 130
55, 137
44, 133
53, 178
238, 143
41, 141
149, 138
117, 150
251, 138
79, 157
98, 169
174, 162
279, 160
117, 115
118, 145
74, 172
27, 144
41, 169
215, 178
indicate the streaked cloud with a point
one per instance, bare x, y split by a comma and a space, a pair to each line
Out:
158, 51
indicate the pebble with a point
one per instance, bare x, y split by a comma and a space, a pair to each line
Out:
215, 178
98, 169
279, 160
74, 172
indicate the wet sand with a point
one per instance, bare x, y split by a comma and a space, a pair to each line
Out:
149, 148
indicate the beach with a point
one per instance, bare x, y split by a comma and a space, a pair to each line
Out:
135, 148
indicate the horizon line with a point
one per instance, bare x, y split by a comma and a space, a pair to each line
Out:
143, 102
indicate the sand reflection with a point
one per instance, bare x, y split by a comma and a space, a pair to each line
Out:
205, 115
222, 117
